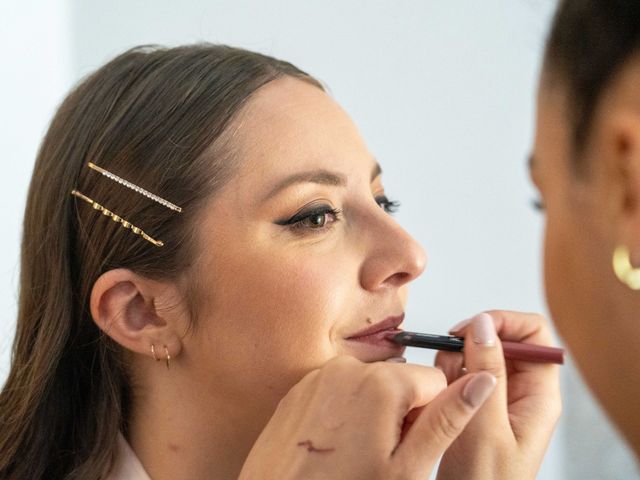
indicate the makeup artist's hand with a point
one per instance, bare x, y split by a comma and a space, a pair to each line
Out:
375, 421
509, 435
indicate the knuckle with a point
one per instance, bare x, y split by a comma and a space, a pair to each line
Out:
299, 389
446, 424
494, 366
341, 362
337, 368
439, 379
377, 379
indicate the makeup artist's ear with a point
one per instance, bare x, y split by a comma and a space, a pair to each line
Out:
617, 148
137, 312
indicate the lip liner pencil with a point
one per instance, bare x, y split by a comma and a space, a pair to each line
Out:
512, 350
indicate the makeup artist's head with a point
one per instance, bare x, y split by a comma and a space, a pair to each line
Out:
586, 164
284, 248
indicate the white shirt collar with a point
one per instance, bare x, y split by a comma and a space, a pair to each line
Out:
127, 465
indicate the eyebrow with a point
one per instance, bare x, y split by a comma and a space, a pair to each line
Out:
321, 176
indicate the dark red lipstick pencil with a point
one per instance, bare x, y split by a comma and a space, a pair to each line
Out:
512, 350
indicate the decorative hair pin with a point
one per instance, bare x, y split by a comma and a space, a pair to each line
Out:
117, 218
135, 188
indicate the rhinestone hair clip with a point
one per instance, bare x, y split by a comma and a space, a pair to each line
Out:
135, 188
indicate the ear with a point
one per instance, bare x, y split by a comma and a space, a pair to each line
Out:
621, 154
137, 312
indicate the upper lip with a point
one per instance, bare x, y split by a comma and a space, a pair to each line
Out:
389, 323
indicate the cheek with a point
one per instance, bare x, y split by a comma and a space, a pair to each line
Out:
285, 305
556, 270
572, 271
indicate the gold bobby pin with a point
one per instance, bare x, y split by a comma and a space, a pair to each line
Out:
134, 187
117, 218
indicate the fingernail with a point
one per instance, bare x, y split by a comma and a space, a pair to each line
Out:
396, 360
483, 330
460, 325
478, 389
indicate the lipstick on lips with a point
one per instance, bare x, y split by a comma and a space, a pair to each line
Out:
512, 350
378, 334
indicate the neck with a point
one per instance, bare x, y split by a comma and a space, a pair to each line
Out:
204, 435
608, 356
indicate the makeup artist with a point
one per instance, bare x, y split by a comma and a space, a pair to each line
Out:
586, 165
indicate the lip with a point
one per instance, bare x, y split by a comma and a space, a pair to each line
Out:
386, 326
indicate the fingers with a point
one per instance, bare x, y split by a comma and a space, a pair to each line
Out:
483, 353
515, 326
451, 363
532, 394
441, 421
482, 347
413, 385
378, 395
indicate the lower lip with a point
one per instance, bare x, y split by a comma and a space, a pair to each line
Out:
380, 340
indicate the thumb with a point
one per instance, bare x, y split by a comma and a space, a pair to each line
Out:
442, 420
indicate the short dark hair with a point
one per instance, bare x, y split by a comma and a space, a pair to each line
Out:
589, 42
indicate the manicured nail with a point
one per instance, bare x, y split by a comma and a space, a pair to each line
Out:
483, 330
460, 325
396, 360
478, 389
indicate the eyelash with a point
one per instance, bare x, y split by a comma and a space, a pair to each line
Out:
389, 206
537, 204
297, 222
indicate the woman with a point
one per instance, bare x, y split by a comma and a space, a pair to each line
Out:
207, 251
586, 164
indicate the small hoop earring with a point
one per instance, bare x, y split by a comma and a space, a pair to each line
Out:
626, 273
166, 351
153, 353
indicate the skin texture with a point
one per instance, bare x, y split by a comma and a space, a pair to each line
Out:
589, 211
277, 306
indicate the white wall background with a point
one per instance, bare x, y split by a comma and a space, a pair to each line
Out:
443, 92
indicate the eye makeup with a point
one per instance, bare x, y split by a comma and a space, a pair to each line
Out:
313, 218
319, 217
389, 206
537, 204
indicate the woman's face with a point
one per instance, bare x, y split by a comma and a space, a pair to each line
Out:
298, 252
581, 209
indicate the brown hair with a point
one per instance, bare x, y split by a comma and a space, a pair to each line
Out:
155, 117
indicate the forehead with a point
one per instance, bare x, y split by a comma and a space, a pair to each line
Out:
291, 125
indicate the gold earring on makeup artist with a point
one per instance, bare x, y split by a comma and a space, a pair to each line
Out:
586, 164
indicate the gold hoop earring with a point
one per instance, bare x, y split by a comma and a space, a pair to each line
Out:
153, 353
166, 351
626, 273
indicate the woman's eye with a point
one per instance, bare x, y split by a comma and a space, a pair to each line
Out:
389, 206
316, 219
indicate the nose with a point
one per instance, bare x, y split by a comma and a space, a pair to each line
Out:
393, 257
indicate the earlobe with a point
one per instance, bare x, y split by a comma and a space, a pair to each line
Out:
123, 306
